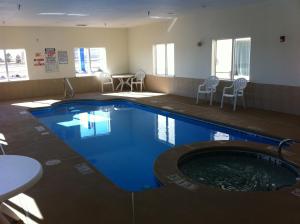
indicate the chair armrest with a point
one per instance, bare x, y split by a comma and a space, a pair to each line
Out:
227, 88
200, 86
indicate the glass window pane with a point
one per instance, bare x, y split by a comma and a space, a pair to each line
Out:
161, 59
224, 59
3, 75
170, 59
98, 59
241, 62
82, 60
16, 64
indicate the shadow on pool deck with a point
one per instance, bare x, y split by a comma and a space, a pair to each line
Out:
65, 195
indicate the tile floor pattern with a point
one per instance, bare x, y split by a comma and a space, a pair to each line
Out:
64, 195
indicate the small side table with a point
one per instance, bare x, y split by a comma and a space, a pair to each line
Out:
123, 80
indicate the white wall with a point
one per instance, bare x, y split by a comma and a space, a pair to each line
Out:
272, 62
114, 40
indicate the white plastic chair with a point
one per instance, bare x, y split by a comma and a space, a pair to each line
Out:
138, 79
234, 91
208, 87
106, 79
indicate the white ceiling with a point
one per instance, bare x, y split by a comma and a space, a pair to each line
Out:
114, 13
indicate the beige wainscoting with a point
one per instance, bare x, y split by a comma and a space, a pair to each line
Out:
263, 96
45, 87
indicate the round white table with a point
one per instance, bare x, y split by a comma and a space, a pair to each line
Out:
123, 80
17, 174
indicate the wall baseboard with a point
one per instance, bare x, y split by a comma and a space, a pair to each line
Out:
278, 98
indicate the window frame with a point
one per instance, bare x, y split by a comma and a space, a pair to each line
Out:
90, 73
154, 52
214, 57
8, 79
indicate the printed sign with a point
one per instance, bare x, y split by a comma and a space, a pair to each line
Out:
51, 61
62, 57
39, 59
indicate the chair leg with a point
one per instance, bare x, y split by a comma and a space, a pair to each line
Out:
141, 87
234, 103
102, 88
211, 98
112, 86
131, 87
197, 100
222, 101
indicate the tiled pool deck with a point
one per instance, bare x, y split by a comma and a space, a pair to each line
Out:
67, 194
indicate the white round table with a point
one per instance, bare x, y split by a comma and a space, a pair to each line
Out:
123, 80
17, 174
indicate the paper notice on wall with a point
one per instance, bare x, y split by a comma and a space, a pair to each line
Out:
39, 59
51, 64
62, 57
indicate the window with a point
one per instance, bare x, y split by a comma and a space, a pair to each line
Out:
231, 58
163, 59
90, 60
13, 65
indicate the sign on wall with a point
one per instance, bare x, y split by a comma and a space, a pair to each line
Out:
38, 59
51, 64
62, 57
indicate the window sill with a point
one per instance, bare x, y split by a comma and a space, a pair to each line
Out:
87, 74
165, 76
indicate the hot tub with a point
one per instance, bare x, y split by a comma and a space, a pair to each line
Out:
227, 166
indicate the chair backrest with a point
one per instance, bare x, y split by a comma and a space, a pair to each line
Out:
140, 75
239, 84
212, 82
105, 77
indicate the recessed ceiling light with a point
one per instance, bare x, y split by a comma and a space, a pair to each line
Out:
76, 14
52, 13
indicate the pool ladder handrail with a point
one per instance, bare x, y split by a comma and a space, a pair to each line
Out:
68, 86
285, 142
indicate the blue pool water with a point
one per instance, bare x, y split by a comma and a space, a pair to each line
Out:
122, 139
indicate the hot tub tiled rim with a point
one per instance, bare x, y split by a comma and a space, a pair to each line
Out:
166, 165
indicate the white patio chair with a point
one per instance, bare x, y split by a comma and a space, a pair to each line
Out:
208, 87
234, 91
106, 79
138, 79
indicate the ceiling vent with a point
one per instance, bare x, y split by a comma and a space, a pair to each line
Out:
81, 25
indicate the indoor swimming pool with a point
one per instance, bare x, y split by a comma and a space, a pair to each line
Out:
122, 139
